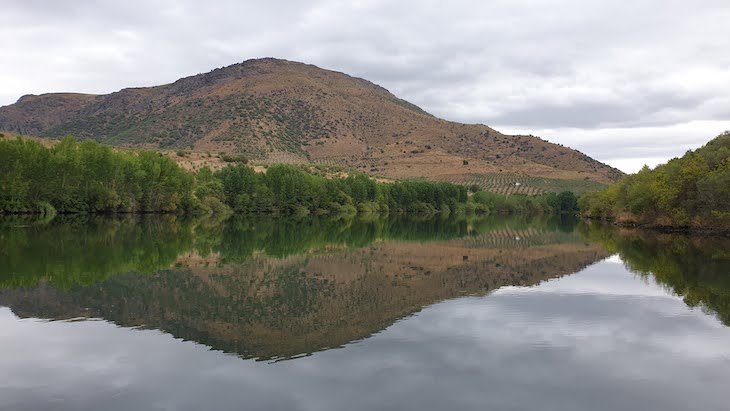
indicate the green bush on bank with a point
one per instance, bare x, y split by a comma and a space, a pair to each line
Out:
691, 191
74, 177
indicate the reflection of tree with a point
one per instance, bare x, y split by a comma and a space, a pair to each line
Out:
258, 306
694, 267
83, 250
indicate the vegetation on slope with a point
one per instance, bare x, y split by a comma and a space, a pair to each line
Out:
510, 183
86, 177
688, 192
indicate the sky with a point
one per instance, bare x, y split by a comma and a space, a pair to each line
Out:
628, 83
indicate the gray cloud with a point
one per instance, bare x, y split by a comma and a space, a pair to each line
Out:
524, 66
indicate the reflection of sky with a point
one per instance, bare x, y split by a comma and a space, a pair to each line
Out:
604, 282
600, 339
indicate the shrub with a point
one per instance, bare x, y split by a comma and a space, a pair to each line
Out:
234, 158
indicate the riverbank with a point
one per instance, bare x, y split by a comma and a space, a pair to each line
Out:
703, 231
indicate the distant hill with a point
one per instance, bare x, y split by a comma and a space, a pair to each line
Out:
281, 111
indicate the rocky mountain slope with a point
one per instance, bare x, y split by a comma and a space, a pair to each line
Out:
280, 111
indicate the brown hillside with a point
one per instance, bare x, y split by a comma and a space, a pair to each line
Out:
281, 111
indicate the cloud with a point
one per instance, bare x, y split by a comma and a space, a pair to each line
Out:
630, 148
556, 65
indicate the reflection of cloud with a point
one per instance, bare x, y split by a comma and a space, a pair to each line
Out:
616, 259
548, 348
600, 280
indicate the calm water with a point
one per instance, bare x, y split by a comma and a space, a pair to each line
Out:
321, 314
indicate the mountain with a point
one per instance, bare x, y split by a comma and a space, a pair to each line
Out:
274, 110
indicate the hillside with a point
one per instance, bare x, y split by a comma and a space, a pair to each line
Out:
280, 111
690, 192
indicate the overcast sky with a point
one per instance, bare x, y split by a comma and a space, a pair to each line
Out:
627, 83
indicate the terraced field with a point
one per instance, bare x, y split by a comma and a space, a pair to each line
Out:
506, 183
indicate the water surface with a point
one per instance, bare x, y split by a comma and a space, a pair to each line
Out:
332, 314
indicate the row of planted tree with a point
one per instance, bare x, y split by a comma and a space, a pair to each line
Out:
86, 177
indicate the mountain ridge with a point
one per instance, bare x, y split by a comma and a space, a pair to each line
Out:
275, 110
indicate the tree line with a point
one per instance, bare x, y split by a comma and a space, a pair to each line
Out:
73, 177
87, 177
688, 192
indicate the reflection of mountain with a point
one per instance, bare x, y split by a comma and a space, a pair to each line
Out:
694, 267
324, 297
83, 250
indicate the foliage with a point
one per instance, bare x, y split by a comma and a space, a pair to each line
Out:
691, 191
567, 203
523, 204
88, 177
290, 190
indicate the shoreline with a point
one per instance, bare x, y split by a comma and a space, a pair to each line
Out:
716, 232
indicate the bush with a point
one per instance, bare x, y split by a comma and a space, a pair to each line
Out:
368, 207
234, 158
422, 208
216, 206
567, 203
46, 209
